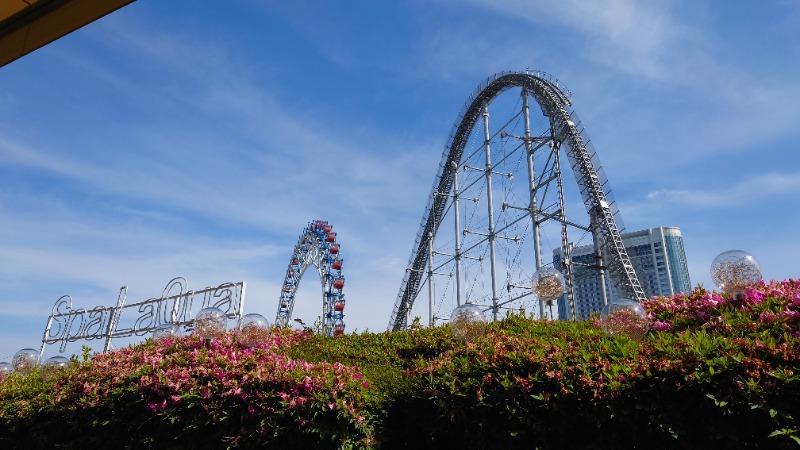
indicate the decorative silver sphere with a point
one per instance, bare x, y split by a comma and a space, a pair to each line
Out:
5, 368
467, 322
626, 318
58, 362
253, 329
166, 330
52, 365
210, 323
25, 360
735, 270
548, 284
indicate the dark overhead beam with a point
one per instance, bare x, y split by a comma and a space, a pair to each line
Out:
43, 21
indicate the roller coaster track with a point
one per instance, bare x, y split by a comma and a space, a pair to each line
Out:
567, 134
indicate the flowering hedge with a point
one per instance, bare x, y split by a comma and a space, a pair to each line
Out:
713, 372
184, 393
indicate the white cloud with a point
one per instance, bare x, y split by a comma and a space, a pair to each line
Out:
213, 204
629, 36
20, 154
743, 192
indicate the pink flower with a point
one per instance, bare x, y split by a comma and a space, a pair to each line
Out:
307, 383
767, 317
661, 326
157, 406
791, 313
753, 297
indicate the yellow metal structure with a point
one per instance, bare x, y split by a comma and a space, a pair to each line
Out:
26, 25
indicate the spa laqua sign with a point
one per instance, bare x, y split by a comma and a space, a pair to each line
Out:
177, 305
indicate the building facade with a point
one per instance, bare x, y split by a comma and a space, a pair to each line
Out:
657, 256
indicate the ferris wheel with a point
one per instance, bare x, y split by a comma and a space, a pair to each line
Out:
316, 247
500, 209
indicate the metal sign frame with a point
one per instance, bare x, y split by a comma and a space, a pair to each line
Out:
176, 305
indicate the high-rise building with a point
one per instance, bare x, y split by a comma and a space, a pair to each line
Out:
657, 256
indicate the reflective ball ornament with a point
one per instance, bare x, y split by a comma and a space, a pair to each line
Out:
210, 323
53, 365
626, 318
5, 368
467, 322
548, 284
166, 331
735, 270
25, 360
58, 362
253, 329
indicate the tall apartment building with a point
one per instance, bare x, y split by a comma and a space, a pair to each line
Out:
657, 255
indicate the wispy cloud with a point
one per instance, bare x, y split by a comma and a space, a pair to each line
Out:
212, 203
631, 36
15, 153
745, 191
204, 155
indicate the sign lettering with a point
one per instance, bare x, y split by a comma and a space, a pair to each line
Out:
176, 305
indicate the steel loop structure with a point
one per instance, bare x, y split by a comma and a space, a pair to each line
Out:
483, 232
316, 247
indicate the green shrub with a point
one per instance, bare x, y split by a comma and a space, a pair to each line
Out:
714, 372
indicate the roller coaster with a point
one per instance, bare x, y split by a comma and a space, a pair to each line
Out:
483, 232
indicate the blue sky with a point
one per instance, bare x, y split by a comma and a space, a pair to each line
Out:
183, 139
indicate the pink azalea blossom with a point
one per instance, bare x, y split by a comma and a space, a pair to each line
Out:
791, 313
766, 317
661, 326
753, 297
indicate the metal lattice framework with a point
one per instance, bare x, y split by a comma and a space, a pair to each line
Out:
537, 152
316, 247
